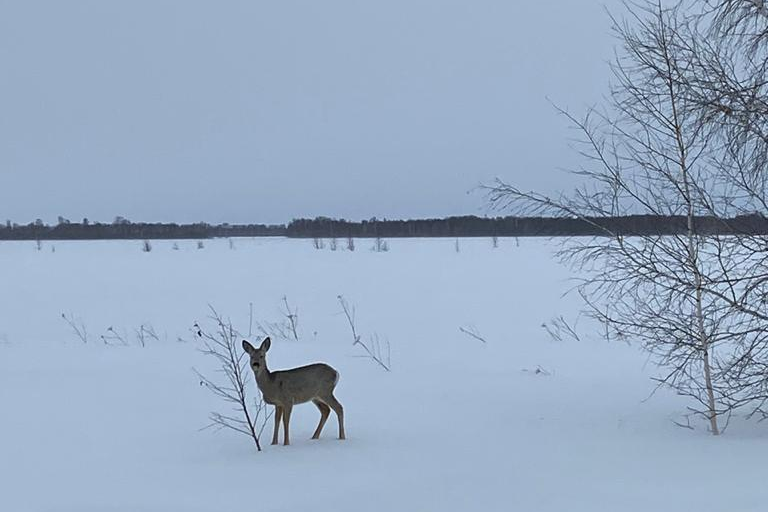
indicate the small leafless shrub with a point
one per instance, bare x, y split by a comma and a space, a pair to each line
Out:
375, 350
200, 244
113, 337
279, 330
333, 244
318, 243
560, 330
77, 325
380, 245
248, 416
175, 246
146, 332
287, 328
146, 246
350, 244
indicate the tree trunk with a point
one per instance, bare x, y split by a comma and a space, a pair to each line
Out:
702, 334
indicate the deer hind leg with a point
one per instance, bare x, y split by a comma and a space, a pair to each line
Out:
325, 411
286, 423
339, 410
278, 416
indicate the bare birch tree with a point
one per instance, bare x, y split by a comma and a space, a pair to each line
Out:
730, 93
655, 148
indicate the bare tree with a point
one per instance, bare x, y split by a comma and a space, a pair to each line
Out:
730, 94
739, 23
248, 416
650, 151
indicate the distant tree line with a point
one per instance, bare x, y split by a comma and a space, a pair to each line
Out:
472, 226
122, 228
324, 227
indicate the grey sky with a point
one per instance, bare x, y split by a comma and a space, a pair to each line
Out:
262, 111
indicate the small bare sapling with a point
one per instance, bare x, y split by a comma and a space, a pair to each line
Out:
292, 317
559, 329
248, 416
375, 350
287, 328
77, 326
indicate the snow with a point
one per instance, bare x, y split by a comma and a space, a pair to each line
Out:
457, 425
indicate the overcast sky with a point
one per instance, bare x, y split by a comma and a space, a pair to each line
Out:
253, 111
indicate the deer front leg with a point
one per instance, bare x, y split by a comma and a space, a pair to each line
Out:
286, 423
278, 416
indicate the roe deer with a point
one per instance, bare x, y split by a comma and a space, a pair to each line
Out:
285, 388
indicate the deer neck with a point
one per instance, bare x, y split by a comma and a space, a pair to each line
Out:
265, 380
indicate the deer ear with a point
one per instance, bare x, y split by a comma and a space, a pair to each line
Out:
265, 344
248, 347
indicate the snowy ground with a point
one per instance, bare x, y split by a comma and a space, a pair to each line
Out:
457, 425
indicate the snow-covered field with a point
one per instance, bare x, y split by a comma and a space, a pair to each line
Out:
457, 425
